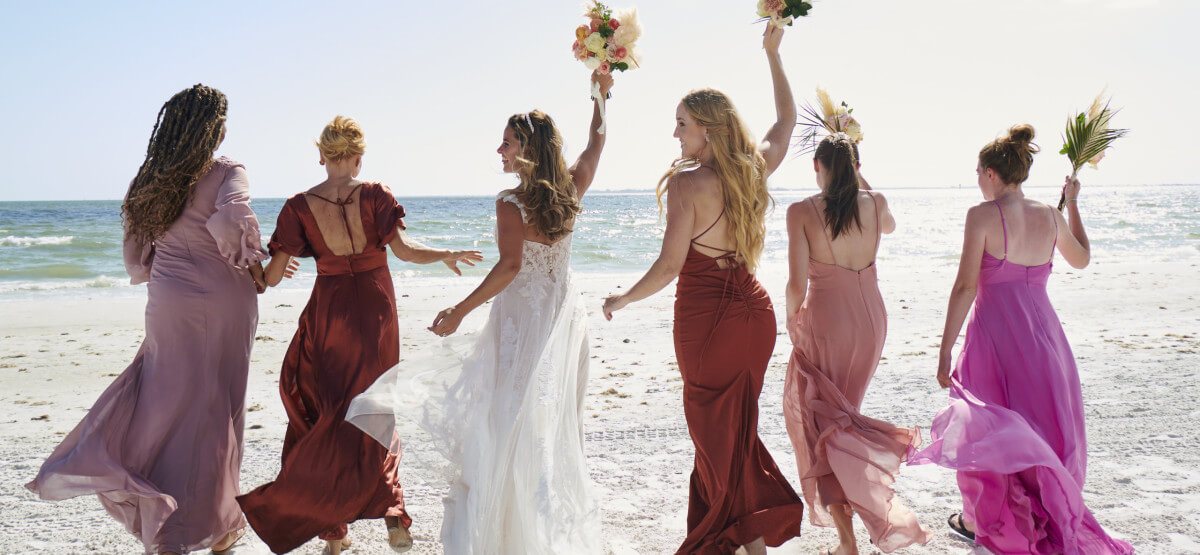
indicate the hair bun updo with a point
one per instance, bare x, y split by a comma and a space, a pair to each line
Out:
342, 138
1011, 156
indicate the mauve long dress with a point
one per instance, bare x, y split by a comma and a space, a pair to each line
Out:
162, 446
724, 335
348, 336
1014, 429
845, 457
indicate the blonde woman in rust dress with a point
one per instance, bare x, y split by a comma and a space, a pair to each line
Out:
724, 330
332, 473
837, 322
162, 446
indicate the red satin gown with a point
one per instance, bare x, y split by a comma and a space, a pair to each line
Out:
724, 336
332, 472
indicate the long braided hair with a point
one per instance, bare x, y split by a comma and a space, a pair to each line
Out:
188, 129
547, 188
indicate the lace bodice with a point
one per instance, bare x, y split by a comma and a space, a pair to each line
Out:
541, 262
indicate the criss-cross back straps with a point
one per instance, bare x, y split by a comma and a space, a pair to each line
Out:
706, 230
342, 204
1004, 227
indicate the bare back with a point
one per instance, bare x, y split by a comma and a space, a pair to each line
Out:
856, 247
337, 210
1025, 229
711, 234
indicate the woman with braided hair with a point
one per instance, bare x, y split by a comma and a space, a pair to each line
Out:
162, 446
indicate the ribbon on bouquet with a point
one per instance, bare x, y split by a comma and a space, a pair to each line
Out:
598, 97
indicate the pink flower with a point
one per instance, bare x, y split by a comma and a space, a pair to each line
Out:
614, 24
620, 53
596, 25
604, 68
774, 6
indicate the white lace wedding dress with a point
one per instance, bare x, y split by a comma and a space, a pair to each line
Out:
510, 421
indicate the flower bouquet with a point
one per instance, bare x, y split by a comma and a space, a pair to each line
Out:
782, 12
607, 43
826, 118
1087, 137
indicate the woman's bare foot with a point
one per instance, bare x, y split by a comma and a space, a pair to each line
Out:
335, 547
756, 547
228, 541
842, 549
399, 537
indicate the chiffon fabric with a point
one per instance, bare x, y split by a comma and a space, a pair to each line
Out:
508, 420
162, 446
844, 457
1014, 429
348, 335
724, 336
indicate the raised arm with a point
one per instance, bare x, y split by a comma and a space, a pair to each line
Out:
775, 143
797, 286
963, 293
510, 239
681, 219
584, 169
1072, 238
887, 222
410, 250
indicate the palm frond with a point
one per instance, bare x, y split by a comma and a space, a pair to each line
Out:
1088, 135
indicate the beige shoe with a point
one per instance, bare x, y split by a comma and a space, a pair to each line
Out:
222, 547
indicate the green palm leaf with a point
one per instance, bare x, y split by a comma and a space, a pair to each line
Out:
1087, 136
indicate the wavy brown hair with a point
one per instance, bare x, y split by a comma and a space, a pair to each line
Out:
1010, 156
188, 129
840, 157
738, 164
547, 189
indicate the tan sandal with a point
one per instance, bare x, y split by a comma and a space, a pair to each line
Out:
222, 547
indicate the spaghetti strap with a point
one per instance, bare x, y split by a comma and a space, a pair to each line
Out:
710, 226
1004, 228
342, 203
728, 253
1054, 218
825, 232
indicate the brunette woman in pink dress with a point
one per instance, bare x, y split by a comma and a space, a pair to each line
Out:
162, 446
1014, 429
838, 323
332, 473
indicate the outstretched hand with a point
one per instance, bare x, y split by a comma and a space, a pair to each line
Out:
612, 304
772, 36
466, 257
605, 80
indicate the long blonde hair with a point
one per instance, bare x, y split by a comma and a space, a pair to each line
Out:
547, 189
738, 164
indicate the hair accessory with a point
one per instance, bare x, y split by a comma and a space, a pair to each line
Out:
528, 121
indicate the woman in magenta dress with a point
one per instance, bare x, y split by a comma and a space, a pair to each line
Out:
1014, 429
162, 446
332, 473
724, 330
837, 322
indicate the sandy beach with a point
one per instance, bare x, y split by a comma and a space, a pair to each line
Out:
1135, 328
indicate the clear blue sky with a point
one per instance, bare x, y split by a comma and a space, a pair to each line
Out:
433, 83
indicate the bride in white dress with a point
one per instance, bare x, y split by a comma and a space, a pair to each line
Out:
510, 423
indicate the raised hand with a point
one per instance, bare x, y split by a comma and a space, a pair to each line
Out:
1070, 188
466, 257
772, 36
447, 321
605, 80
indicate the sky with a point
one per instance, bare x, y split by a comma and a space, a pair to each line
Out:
433, 83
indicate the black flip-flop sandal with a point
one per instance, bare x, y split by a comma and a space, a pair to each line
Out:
956, 523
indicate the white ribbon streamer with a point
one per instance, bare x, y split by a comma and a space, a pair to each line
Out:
599, 98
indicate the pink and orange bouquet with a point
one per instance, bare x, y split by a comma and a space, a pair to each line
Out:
608, 42
781, 13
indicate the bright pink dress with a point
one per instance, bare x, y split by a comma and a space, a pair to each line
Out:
845, 457
162, 446
1014, 429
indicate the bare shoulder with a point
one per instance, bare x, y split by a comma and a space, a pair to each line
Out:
982, 214
878, 196
799, 211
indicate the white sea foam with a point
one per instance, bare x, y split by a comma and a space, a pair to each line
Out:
101, 282
11, 241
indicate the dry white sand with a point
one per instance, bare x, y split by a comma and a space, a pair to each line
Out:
1134, 328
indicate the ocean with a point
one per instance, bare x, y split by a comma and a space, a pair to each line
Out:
67, 248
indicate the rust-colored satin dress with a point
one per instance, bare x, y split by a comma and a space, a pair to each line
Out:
332, 472
724, 336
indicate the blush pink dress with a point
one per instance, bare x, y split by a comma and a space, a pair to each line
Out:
1014, 429
844, 457
162, 446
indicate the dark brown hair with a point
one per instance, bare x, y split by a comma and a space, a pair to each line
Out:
188, 129
547, 188
839, 155
1010, 156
